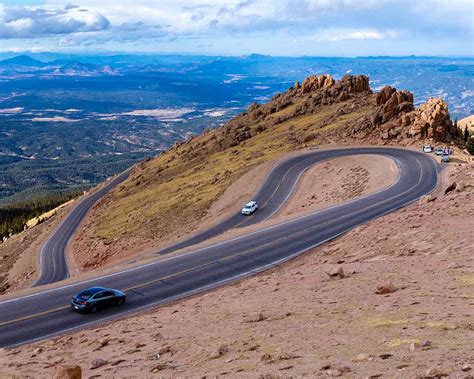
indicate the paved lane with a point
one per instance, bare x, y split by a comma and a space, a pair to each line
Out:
47, 313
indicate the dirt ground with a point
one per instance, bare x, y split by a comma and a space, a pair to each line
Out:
340, 180
403, 309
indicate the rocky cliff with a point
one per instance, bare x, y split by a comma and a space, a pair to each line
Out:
397, 118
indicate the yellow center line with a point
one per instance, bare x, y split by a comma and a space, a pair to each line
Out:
34, 315
240, 253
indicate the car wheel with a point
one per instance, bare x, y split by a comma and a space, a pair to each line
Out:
94, 309
121, 301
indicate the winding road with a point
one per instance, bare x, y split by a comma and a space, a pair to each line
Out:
53, 264
47, 313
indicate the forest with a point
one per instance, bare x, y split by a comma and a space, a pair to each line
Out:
13, 217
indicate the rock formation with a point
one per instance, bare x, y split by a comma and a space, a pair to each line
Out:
395, 117
313, 83
431, 120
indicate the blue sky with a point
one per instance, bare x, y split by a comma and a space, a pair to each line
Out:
237, 27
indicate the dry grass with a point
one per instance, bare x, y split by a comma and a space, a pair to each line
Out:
172, 188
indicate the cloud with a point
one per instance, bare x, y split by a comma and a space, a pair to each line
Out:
335, 35
34, 22
205, 26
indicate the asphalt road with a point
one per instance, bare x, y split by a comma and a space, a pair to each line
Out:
47, 313
53, 263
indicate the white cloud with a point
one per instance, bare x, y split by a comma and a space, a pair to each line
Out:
33, 22
210, 26
334, 35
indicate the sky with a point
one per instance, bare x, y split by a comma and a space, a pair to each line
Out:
240, 27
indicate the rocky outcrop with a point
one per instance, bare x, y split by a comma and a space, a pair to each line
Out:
396, 117
339, 90
431, 120
391, 104
313, 83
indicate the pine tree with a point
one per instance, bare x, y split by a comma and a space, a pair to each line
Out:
470, 145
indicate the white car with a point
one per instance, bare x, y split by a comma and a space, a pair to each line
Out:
439, 151
427, 149
249, 208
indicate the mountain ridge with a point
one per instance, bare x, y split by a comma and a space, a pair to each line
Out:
169, 196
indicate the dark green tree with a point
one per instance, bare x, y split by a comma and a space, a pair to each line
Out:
470, 145
466, 134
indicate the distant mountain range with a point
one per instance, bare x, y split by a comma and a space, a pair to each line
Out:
68, 121
23, 64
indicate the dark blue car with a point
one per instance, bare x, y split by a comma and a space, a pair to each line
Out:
96, 298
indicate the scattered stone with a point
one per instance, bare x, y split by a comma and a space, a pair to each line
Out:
266, 358
223, 349
334, 373
466, 367
96, 363
67, 372
450, 188
344, 369
414, 346
385, 289
362, 357
385, 355
256, 318
427, 199
165, 349
286, 356
435, 373
117, 362
336, 272
285, 367
327, 366
158, 367
133, 351
425, 345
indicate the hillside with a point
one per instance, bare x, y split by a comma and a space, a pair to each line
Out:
467, 122
170, 196
402, 310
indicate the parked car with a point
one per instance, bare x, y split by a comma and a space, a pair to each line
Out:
249, 208
427, 149
439, 151
445, 158
96, 298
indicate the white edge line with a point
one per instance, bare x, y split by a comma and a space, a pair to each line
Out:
200, 249
205, 247
208, 286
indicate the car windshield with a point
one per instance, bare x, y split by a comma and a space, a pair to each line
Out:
248, 206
